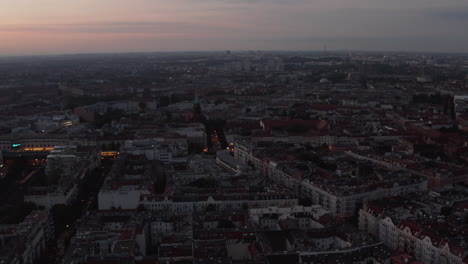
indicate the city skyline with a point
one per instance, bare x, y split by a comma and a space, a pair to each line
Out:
55, 27
258, 157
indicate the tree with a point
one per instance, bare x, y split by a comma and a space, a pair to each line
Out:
297, 128
363, 80
112, 145
210, 208
142, 106
141, 208
204, 183
225, 224
306, 201
446, 210
18, 213
53, 174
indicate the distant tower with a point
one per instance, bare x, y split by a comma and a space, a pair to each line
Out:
366, 68
197, 115
422, 71
325, 49
196, 101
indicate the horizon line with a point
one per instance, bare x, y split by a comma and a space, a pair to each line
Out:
233, 50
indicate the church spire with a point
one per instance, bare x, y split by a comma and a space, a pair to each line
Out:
197, 115
196, 96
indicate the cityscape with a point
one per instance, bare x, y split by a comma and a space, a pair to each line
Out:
233, 132
234, 157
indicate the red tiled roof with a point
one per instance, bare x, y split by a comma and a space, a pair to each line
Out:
284, 124
324, 107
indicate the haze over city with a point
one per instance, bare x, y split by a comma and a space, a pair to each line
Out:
88, 26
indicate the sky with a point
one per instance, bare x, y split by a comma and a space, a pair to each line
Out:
30, 27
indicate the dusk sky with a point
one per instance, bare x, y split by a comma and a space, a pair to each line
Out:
81, 26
